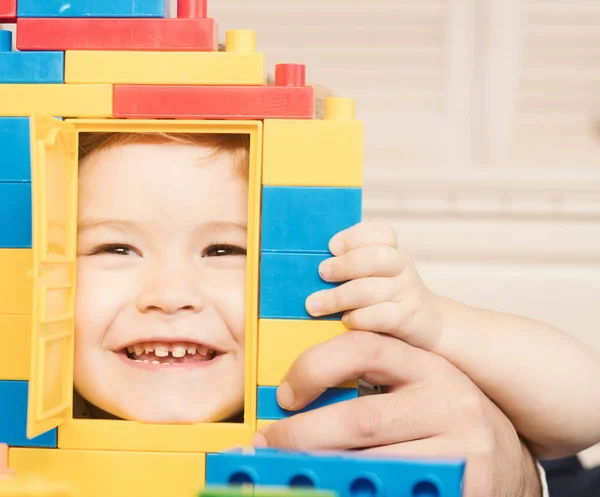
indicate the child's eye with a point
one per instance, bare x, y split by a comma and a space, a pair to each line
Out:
114, 250
223, 250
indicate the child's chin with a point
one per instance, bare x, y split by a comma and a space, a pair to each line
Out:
184, 414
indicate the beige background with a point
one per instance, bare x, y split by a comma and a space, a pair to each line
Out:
482, 136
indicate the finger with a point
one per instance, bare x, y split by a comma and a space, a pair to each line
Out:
351, 295
366, 233
390, 318
358, 423
363, 262
437, 446
378, 359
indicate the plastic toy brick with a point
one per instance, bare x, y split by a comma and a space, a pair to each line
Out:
239, 65
56, 100
325, 152
281, 341
16, 289
101, 474
286, 281
35, 486
116, 34
349, 474
289, 98
29, 67
112, 435
268, 408
8, 10
14, 143
15, 215
16, 347
260, 423
213, 102
304, 219
248, 491
13, 416
92, 8
191, 9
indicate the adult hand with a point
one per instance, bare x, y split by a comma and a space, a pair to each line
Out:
428, 408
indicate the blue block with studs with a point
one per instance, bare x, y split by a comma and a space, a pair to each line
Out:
349, 474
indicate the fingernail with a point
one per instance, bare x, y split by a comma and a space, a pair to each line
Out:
285, 396
314, 305
259, 441
336, 246
325, 270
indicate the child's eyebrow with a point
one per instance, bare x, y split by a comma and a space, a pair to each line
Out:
223, 226
120, 224
124, 224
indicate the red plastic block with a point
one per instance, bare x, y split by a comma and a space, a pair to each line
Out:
8, 10
289, 98
116, 34
191, 9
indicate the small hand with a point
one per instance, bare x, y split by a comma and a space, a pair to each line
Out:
382, 291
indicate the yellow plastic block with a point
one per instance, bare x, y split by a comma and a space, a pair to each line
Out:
16, 285
118, 474
36, 486
325, 152
239, 65
129, 435
261, 423
15, 333
281, 341
56, 100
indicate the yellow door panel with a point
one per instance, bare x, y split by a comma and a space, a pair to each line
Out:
281, 341
115, 474
54, 195
16, 285
15, 331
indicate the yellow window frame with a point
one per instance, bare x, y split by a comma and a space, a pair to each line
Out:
54, 146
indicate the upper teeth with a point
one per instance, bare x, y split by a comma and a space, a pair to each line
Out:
163, 349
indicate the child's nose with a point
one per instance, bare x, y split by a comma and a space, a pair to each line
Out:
170, 296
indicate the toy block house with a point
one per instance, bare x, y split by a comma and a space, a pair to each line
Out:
93, 66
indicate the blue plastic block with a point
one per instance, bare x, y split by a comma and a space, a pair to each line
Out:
29, 67
15, 215
15, 161
93, 8
286, 281
304, 219
268, 408
13, 417
350, 474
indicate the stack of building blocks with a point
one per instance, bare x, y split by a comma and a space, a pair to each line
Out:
316, 195
122, 61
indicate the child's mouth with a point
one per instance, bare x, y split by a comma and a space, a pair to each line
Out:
168, 353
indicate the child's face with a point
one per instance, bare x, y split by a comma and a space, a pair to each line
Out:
161, 274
